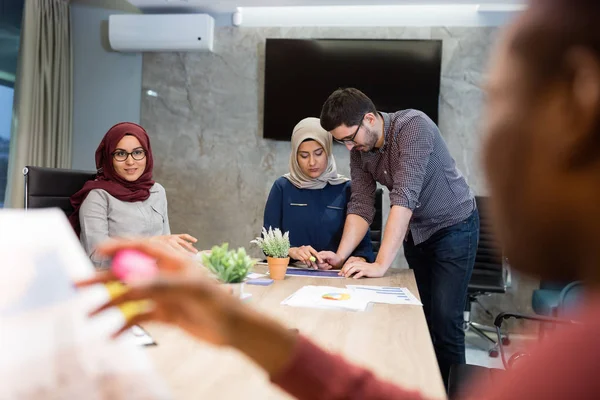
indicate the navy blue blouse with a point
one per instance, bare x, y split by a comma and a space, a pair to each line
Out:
314, 217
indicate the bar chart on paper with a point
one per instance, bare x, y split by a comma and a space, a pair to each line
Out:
386, 294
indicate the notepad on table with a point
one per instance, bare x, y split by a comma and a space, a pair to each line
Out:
300, 269
313, 273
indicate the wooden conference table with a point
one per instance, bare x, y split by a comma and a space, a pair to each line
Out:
391, 340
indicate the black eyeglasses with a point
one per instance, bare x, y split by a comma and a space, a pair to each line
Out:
350, 139
122, 155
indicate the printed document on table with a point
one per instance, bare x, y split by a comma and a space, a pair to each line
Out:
327, 297
50, 347
386, 294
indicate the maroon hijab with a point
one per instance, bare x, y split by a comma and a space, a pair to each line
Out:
108, 179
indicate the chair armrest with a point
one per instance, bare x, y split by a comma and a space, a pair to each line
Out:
538, 318
504, 316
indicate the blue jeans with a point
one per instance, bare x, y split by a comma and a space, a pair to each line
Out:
442, 266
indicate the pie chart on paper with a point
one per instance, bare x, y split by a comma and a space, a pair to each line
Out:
336, 296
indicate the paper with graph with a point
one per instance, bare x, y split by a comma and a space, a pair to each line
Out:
386, 294
49, 346
327, 297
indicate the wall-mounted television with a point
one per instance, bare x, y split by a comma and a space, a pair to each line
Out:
300, 75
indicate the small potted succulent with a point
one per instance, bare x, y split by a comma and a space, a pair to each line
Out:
276, 247
229, 266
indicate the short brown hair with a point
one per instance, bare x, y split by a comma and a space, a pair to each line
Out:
345, 107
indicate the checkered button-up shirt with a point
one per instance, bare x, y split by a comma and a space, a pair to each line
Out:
415, 165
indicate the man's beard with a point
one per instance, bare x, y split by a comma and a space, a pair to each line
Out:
369, 142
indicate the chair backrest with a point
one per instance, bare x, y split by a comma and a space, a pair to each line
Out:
52, 187
489, 255
490, 274
571, 299
377, 224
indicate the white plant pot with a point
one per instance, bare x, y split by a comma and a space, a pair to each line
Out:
236, 289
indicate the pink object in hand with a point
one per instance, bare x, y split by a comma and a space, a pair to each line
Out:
133, 265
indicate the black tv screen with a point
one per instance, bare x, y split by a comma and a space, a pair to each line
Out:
300, 75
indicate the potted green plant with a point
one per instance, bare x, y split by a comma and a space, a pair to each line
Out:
229, 266
276, 247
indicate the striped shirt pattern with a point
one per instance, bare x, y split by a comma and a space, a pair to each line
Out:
415, 165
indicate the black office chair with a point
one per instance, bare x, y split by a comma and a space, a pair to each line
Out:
490, 275
377, 224
52, 187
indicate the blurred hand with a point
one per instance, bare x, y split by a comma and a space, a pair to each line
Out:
304, 253
181, 296
180, 242
358, 267
330, 260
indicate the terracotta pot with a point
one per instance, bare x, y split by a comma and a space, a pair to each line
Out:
278, 267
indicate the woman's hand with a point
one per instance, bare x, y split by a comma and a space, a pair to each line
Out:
180, 242
330, 260
182, 297
306, 255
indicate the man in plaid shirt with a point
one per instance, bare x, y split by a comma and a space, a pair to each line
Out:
433, 210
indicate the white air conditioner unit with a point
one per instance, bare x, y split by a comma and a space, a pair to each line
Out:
161, 32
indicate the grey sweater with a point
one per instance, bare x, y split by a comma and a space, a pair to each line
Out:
102, 216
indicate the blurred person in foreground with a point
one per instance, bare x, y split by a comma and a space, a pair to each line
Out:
542, 159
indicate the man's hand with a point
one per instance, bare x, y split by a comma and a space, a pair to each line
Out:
353, 259
359, 268
330, 260
306, 255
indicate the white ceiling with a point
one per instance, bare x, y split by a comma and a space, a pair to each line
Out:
230, 5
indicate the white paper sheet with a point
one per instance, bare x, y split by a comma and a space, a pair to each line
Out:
327, 297
254, 275
386, 294
140, 336
50, 348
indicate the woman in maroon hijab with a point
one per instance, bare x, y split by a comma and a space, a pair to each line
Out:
123, 200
